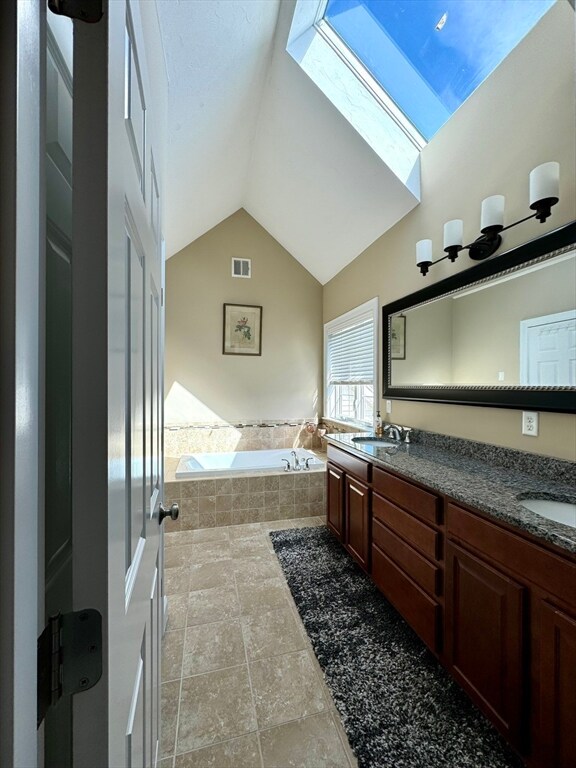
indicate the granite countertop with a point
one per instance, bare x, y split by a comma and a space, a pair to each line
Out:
490, 483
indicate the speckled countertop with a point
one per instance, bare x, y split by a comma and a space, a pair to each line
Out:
486, 477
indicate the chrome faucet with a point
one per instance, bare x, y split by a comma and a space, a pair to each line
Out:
295, 461
393, 431
287, 467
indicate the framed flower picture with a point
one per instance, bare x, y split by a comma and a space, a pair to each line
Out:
242, 330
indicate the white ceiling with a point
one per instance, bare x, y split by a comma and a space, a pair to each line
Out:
248, 128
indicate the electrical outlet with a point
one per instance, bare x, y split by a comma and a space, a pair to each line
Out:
388, 406
530, 423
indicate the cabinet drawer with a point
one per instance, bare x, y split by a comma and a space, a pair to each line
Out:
361, 469
422, 503
424, 573
415, 532
419, 610
552, 572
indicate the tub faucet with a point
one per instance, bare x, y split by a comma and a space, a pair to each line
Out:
295, 461
287, 467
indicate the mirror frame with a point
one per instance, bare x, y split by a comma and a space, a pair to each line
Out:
560, 399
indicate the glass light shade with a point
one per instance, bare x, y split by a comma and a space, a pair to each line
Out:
545, 182
492, 212
424, 252
453, 233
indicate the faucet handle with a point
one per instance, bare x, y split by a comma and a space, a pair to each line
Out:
407, 431
287, 467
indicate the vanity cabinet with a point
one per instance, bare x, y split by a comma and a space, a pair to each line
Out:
555, 699
486, 638
511, 633
348, 503
407, 553
496, 605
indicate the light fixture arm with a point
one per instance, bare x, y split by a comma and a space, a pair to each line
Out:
544, 193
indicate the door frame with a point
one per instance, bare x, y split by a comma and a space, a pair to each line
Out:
22, 237
532, 322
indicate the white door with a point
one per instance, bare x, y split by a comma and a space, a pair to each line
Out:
116, 385
548, 350
21, 350
116, 353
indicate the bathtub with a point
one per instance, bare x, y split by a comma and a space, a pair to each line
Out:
198, 465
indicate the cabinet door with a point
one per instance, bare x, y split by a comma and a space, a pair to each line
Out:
556, 747
485, 642
356, 532
335, 500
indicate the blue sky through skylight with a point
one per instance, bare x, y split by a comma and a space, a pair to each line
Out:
430, 55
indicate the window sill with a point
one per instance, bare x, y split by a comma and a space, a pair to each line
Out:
353, 426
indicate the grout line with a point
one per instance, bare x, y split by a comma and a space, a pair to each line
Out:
211, 671
250, 679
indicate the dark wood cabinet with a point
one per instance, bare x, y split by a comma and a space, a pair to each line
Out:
496, 605
511, 633
357, 511
555, 699
486, 639
407, 553
348, 503
335, 500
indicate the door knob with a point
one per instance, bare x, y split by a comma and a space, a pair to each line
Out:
172, 513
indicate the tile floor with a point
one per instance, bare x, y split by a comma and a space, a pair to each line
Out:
241, 685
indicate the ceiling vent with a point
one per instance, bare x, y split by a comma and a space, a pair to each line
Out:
241, 267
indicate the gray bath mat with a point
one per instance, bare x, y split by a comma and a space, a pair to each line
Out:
399, 707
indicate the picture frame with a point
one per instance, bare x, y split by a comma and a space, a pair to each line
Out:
242, 330
398, 337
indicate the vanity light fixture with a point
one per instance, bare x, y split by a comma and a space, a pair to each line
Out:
544, 193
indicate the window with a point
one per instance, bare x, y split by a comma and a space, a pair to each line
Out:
350, 343
429, 56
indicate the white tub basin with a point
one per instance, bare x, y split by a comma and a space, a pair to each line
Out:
558, 511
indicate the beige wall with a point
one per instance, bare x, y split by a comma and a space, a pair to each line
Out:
522, 116
487, 323
428, 346
201, 383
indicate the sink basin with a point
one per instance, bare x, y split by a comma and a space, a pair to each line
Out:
379, 442
558, 511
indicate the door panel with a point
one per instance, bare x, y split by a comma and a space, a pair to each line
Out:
136, 730
556, 705
357, 520
118, 314
58, 394
21, 377
485, 616
335, 500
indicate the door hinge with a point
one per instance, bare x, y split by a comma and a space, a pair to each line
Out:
69, 657
83, 10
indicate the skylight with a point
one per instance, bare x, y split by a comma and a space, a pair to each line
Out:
428, 56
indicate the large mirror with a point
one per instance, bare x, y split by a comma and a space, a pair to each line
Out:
502, 333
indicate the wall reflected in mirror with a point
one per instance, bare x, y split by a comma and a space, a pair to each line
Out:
515, 329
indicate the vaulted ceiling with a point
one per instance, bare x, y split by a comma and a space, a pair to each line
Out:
248, 128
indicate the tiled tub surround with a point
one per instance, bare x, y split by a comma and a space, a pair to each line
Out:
241, 687
241, 499
483, 476
221, 437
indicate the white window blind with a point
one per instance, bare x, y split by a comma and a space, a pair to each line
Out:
350, 365
351, 354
